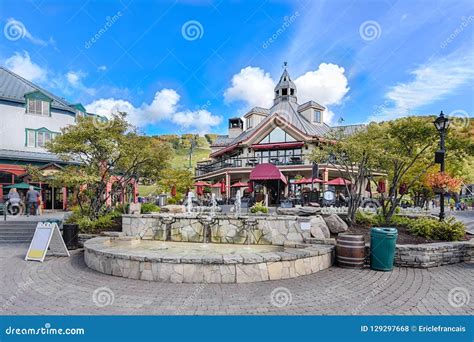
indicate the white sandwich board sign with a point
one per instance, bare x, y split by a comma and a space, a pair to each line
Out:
47, 240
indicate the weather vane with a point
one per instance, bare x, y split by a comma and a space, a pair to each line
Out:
285, 64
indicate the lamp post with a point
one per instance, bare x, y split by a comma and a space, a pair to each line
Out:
441, 123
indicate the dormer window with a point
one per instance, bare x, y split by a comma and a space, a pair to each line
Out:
38, 107
317, 116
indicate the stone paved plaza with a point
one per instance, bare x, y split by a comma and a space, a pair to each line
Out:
66, 286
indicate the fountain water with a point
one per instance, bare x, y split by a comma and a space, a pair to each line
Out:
189, 203
213, 205
238, 204
206, 221
250, 224
166, 222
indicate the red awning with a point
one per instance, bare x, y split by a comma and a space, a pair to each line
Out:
267, 171
277, 145
338, 181
15, 169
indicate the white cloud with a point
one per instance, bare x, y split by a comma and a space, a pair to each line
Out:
327, 85
163, 107
102, 68
22, 65
74, 77
253, 86
431, 82
199, 120
107, 107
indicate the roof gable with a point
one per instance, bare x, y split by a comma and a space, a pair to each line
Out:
14, 87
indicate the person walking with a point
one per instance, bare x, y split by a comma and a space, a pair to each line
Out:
32, 200
14, 196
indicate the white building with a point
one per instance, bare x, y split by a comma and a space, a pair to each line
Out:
30, 116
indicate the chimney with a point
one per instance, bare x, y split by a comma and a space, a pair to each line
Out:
236, 127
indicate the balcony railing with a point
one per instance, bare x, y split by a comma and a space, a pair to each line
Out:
205, 167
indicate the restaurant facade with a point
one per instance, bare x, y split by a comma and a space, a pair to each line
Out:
268, 151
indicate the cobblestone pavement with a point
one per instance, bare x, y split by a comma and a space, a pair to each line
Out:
66, 286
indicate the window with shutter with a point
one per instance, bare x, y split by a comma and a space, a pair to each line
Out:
30, 138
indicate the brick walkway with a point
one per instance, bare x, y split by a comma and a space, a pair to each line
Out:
67, 286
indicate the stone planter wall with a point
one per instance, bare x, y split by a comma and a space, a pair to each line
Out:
274, 230
434, 254
430, 254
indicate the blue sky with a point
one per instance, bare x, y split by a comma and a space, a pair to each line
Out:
190, 65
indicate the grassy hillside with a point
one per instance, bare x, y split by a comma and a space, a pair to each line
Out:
181, 146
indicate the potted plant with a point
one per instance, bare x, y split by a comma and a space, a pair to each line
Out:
259, 207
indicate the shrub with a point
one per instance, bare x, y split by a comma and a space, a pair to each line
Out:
400, 220
259, 208
172, 200
106, 221
149, 208
448, 230
365, 218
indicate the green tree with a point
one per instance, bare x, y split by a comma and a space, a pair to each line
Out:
351, 156
405, 151
106, 150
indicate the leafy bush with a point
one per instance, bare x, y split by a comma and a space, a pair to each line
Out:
106, 221
172, 200
447, 230
149, 208
400, 220
365, 218
122, 208
259, 208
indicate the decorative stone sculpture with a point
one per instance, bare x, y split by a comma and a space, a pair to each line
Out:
336, 224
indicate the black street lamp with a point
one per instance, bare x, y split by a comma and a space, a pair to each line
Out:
441, 123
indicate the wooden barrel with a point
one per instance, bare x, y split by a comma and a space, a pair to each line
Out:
350, 250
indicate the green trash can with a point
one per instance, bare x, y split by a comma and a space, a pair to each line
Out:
382, 248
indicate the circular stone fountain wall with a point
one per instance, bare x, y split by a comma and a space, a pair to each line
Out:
185, 262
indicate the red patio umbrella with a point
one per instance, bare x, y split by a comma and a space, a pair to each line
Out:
339, 181
216, 185
201, 183
240, 185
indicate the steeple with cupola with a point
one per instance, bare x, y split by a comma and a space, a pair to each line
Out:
285, 90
